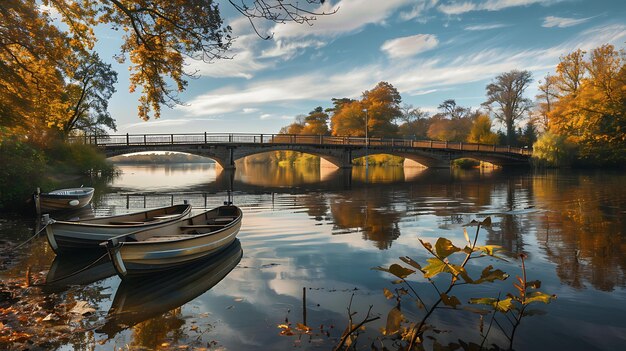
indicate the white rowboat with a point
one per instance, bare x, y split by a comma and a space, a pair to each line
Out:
159, 249
70, 236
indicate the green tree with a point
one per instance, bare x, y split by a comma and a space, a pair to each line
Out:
90, 97
316, 122
505, 99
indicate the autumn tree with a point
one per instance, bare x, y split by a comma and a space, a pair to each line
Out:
593, 116
452, 123
415, 123
296, 127
481, 131
45, 65
349, 120
548, 95
379, 106
506, 101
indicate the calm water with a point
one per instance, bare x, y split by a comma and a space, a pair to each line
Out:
324, 229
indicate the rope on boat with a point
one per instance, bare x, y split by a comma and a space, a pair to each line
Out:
31, 238
74, 273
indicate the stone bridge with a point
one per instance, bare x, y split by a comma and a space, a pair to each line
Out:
226, 148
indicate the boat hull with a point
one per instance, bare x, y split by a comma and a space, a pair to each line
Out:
140, 299
64, 199
72, 236
143, 257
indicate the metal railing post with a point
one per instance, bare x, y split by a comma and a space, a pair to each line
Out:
145, 140
172, 138
127, 140
205, 137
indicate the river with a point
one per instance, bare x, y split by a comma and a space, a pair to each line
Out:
311, 236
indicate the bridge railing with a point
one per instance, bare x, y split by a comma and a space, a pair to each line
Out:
248, 138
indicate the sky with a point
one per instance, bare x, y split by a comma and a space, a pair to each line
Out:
430, 50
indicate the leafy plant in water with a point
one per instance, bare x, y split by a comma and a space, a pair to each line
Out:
442, 262
515, 306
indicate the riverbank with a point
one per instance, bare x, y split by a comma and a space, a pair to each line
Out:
27, 166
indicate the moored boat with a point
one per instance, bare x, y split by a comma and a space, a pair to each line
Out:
137, 300
159, 249
63, 199
84, 234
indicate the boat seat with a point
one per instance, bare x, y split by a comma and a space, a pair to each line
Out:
169, 237
192, 226
223, 219
125, 222
166, 216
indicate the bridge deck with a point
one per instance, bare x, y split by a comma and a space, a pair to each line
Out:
290, 139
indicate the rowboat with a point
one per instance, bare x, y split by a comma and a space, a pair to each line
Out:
63, 199
137, 300
163, 248
84, 234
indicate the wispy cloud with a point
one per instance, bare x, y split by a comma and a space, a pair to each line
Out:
419, 10
288, 49
563, 22
486, 26
353, 15
409, 46
413, 76
461, 7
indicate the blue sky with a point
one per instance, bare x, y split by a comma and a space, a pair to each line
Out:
430, 50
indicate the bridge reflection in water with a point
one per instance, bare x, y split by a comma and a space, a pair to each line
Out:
225, 149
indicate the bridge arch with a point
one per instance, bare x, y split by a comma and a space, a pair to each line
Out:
225, 149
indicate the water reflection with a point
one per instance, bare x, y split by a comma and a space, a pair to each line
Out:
80, 269
325, 228
141, 299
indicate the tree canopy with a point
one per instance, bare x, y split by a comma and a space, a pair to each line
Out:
590, 110
506, 101
51, 78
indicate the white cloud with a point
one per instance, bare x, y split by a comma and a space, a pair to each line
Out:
458, 8
418, 10
352, 16
265, 116
288, 49
413, 76
250, 110
409, 46
485, 26
562, 22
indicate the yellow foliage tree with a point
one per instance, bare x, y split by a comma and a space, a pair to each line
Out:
592, 112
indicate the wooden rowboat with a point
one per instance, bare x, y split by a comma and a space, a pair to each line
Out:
137, 300
63, 199
158, 249
84, 234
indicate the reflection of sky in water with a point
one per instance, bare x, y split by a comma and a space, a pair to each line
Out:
327, 241
163, 177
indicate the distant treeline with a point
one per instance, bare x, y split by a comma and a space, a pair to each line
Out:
168, 157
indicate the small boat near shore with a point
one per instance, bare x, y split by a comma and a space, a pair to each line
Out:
63, 199
86, 234
137, 300
163, 248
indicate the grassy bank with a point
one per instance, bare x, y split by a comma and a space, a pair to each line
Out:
26, 166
